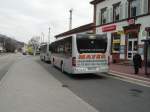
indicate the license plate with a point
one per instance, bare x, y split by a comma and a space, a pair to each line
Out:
92, 68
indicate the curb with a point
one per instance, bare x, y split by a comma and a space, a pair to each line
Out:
130, 78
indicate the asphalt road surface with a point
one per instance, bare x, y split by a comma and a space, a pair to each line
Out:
6, 61
105, 93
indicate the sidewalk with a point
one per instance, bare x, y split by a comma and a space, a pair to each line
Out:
28, 87
127, 72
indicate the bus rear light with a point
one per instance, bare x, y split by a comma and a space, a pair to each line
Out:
73, 61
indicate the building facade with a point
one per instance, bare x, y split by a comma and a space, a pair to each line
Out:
126, 23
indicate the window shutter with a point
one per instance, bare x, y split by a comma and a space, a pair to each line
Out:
145, 6
121, 12
126, 9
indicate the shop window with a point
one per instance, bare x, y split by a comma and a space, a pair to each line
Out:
134, 8
116, 12
116, 46
130, 46
129, 55
116, 43
104, 16
135, 45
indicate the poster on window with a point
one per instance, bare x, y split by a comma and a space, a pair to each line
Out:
141, 49
122, 49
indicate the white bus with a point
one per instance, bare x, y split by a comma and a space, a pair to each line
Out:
45, 52
80, 54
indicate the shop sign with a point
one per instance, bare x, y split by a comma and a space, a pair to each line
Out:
116, 41
131, 21
131, 30
120, 32
109, 28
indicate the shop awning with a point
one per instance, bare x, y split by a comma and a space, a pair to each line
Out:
132, 28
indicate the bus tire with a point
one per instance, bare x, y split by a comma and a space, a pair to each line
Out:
62, 67
40, 58
44, 59
53, 62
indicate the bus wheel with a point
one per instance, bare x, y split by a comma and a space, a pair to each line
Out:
41, 58
53, 62
62, 68
44, 59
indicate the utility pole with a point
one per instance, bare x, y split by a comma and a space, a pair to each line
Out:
49, 35
70, 19
48, 39
42, 37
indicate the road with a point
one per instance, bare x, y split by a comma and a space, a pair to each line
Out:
6, 61
105, 93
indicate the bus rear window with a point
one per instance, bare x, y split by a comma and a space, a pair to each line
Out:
85, 44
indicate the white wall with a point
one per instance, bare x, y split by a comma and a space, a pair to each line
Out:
144, 21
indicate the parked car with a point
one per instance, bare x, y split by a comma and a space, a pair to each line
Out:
24, 53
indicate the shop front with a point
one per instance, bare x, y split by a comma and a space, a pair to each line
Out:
131, 40
115, 41
147, 52
115, 47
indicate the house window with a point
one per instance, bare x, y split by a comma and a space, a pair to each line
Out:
134, 8
104, 16
116, 11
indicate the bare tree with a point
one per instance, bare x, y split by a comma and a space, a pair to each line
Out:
34, 43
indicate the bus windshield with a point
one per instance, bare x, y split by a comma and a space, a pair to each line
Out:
91, 43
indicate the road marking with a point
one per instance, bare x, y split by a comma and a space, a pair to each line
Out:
129, 79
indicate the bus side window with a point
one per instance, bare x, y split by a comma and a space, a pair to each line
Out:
70, 48
67, 48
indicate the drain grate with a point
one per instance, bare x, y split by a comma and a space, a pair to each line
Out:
136, 92
64, 85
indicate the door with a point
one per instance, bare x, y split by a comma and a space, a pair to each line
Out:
132, 48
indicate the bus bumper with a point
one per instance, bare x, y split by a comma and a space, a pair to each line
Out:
79, 70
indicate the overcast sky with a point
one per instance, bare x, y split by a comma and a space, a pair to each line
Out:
23, 19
